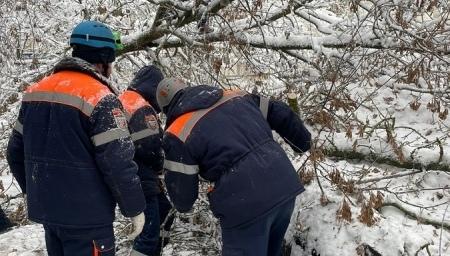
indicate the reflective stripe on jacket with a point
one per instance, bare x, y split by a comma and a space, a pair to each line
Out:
183, 125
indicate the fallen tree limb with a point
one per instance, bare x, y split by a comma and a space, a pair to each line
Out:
421, 219
350, 154
388, 177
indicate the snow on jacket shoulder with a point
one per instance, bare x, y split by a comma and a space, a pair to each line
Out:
146, 133
224, 137
71, 151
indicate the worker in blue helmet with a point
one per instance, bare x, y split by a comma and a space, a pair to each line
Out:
95, 43
72, 154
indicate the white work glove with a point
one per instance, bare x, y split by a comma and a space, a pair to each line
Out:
138, 225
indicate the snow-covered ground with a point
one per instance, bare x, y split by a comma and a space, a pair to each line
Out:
314, 226
394, 233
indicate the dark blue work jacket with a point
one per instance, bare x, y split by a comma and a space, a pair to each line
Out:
71, 151
146, 133
226, 138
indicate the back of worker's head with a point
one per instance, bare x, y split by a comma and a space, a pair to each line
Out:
145, 82
93, 42
166, 91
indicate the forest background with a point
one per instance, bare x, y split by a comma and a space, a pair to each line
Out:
370, 79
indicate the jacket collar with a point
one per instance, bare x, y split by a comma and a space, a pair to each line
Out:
192, 99
80, 65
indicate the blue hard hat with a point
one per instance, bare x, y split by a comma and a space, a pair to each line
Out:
93, 34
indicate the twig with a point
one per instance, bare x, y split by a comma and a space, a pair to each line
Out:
422, 247
317, 178
163, 234
388, 177
406, 191
442, 227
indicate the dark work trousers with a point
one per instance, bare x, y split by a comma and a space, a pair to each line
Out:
262, 236
62, 241
149, 241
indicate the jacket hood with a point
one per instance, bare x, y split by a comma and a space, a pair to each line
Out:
82, 66
145, 83
191, 99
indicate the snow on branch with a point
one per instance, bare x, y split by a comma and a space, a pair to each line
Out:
277, 14
317, 22
147, 38
180, 5
283, 42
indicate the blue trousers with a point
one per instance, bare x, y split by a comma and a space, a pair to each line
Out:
79, 241
149, 241
262, 236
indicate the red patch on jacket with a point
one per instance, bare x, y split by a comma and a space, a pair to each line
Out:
152, 122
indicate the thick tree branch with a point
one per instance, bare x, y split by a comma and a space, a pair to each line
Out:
180, 5
278, 14
422, 219
402, 174
142, 41
349, 154
148, 38
303, 42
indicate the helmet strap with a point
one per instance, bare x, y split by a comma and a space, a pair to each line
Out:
105, 69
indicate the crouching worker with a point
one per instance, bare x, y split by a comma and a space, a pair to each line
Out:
71, 151
226, 138
141, 111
